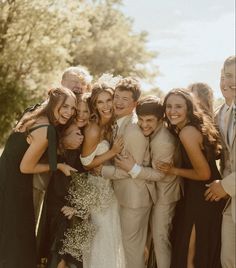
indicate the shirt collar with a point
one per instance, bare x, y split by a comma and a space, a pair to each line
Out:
121, 120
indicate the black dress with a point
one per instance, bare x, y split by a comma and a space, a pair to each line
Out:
56, 224
191, 210
17, 224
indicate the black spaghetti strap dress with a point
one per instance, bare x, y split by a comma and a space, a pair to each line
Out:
17, 224
191, 210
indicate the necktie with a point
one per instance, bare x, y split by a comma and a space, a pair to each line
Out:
114, 130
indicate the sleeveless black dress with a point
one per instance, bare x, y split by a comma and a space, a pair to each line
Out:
17, 223
56, 224
191, 210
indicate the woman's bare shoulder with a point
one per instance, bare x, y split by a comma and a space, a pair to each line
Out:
92, 131
190, 134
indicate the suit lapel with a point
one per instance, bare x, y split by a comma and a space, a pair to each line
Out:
124, 124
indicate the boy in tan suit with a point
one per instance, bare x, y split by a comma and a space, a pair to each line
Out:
163, 147
226, 187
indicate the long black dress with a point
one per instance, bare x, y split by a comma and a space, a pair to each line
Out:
56, 224
206, 216
17, 224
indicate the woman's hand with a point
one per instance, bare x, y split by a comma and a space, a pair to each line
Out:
125, 161
118, 145
66, 169
68, 212
72, 139
165, 167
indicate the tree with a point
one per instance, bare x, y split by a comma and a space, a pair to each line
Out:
112, 46
38, 39
34, 46
154, 91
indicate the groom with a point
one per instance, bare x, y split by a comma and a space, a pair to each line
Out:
134, 196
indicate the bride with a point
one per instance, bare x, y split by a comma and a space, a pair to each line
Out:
107, 249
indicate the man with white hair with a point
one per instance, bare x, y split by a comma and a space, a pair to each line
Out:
77, 79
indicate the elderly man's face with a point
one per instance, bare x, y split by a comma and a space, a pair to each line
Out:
75, 83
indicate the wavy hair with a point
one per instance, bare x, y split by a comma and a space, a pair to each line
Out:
97, 89
205, 97
196, 118
55, 96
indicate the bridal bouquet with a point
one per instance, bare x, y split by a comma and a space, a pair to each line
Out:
77, 240
82, 196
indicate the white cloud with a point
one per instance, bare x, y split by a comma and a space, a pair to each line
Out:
193, 38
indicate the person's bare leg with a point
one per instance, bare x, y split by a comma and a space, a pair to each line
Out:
191, 248
62, 264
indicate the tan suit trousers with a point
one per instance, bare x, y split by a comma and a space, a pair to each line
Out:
161, 226
134, 225
228, 240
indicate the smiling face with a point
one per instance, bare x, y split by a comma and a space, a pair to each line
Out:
148, 124
226, 92
230, 80
83, 114
64, 110
123, 103
176, 110
104, 106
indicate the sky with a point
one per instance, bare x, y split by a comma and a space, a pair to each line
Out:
192, 37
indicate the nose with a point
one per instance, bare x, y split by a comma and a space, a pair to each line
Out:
107, 105
70, 111
172, 110
117, 101
143, 125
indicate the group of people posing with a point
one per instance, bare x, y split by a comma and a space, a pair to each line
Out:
163, 201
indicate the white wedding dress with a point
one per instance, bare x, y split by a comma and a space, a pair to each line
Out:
107, 249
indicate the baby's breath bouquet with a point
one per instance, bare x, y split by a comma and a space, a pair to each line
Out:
78, 239
82, 196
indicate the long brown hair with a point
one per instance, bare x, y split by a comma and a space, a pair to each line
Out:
196, 118
55, 96
97, 89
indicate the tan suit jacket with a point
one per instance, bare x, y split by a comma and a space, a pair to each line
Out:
228, 181
130, 192
163, 147
225, 167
